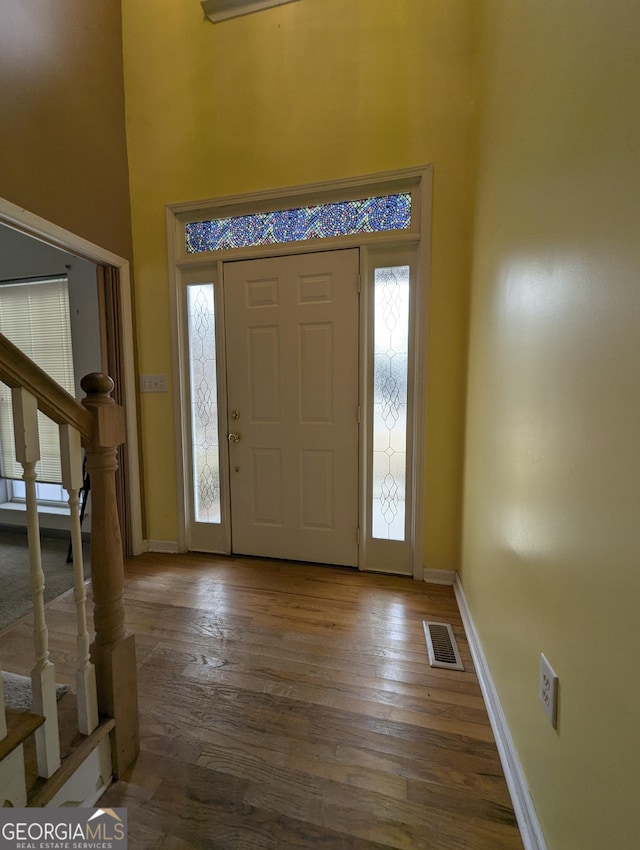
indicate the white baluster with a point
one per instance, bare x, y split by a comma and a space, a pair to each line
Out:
71, 455
27, 446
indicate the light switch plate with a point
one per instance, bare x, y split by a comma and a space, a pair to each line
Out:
153, 383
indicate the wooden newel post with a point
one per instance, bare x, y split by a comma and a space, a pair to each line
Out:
113, 650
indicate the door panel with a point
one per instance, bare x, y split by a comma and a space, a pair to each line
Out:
266, 486
292, 372
264, 374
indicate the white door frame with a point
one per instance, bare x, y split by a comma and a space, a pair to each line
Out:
185, 267
45, 231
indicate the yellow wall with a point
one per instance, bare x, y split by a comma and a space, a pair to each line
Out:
62, 132
311, 91
551, 552
323, 89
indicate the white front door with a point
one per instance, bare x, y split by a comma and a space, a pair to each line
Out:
292, 389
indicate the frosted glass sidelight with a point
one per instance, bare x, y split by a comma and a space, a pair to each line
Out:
390, 373
204, 403
320, 221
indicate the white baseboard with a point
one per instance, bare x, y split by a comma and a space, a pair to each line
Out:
439, 576
167, 547
528, 823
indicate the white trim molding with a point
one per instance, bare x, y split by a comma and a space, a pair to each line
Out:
439, 576
221, 10
32, 225
166, 547
528, 823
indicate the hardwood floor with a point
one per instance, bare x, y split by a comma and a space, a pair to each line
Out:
289, 706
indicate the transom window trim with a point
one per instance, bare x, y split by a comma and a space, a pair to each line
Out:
379, 213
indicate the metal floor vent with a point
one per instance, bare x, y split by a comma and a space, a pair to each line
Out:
443, 650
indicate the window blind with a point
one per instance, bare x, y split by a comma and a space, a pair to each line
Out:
34, 315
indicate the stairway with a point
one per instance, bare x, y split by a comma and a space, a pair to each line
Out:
67, 753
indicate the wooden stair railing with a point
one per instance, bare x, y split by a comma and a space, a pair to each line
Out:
113, 650
100, 423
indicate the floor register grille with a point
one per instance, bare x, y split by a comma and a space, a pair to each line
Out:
442, 647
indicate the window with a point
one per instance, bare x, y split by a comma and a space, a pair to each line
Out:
390, 378
34, 315
45, 493
320, 221
204, 402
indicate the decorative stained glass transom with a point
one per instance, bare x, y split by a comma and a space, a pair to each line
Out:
204, 403
320, 221
390, 379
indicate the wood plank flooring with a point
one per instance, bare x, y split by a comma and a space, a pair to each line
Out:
292, 706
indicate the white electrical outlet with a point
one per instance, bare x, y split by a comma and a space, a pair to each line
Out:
548, 691
153, 383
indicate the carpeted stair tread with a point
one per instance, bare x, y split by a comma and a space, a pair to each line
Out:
17, 691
